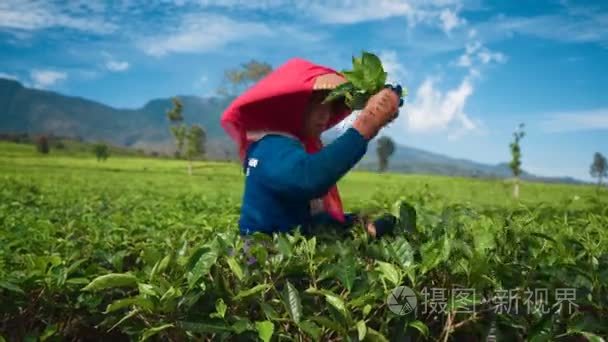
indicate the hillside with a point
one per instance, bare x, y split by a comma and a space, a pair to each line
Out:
36, 111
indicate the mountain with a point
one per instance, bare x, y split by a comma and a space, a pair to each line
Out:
36, 111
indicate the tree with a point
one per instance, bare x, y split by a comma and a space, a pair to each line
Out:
101, 150
196, 144
178, 129
515, 163
599, 168
194, 137
385, 148
239, 79
42, 144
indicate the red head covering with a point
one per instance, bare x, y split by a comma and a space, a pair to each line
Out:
278, 103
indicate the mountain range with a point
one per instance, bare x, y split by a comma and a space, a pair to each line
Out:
34, 111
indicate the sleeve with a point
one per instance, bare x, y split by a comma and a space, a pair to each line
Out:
287, 168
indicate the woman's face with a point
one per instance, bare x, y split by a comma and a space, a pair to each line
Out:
318, 116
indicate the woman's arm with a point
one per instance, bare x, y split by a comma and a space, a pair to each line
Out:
284, 165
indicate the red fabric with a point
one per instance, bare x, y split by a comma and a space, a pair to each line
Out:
278, 103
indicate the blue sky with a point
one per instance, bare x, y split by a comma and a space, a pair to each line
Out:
474, 69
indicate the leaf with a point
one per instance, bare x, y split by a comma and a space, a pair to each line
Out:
361, 330
284, 246
127, 302
292, 302
421, 327
265, 330
311, 329
332, 299
201, 267
77, 281
270, 313
252, 291
346, 272
543, 236
329, 324
220, 309
11, 287
205, 328
111, 280
241, 326
374, 336
389, 272
48, 332
153, 331
235, 267
148, 290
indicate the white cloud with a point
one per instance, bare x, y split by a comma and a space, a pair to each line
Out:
9, 76
475, 54
117, 66
341, 12
32, 15
396, 70
202, 34
46, 78
450, 20
595, 119
584, 27
432, 110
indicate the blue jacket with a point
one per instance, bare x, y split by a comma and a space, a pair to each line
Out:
282, 178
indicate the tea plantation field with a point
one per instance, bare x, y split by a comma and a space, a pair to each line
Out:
135, 249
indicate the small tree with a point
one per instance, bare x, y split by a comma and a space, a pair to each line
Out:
42, 144
599, 168
102, 152
196, 144
178, 129
238, 79
515, 163
385, 148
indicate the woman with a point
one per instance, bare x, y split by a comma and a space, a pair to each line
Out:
290, 175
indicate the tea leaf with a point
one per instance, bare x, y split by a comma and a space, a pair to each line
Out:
235, 267
311, 329
265, 330
155, 330
293, 304
201, 267
111, 280
254, 290
361, 330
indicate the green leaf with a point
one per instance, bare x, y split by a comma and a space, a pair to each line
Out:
332, 299
155, 330
293, 304
311, 329
421, 327
127, 302
374, 336
389, 272
201, 267
77, 281
220, 309
329, 324
2, 339
11, 287
111, 280
361, 330
235, 267
48, 332
252, 291
265, 330
242, 325
148, 290
284, 246
269, 311
205, 328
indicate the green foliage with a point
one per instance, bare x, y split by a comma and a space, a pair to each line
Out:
102, 151
238, 79
366, 78
113, 252
599, 167
193, 137
515, 163
384, 149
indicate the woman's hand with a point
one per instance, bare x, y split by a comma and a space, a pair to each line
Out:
380, 109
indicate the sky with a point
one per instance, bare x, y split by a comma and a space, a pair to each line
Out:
474, 69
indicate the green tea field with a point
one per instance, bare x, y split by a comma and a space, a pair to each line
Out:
135, 249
